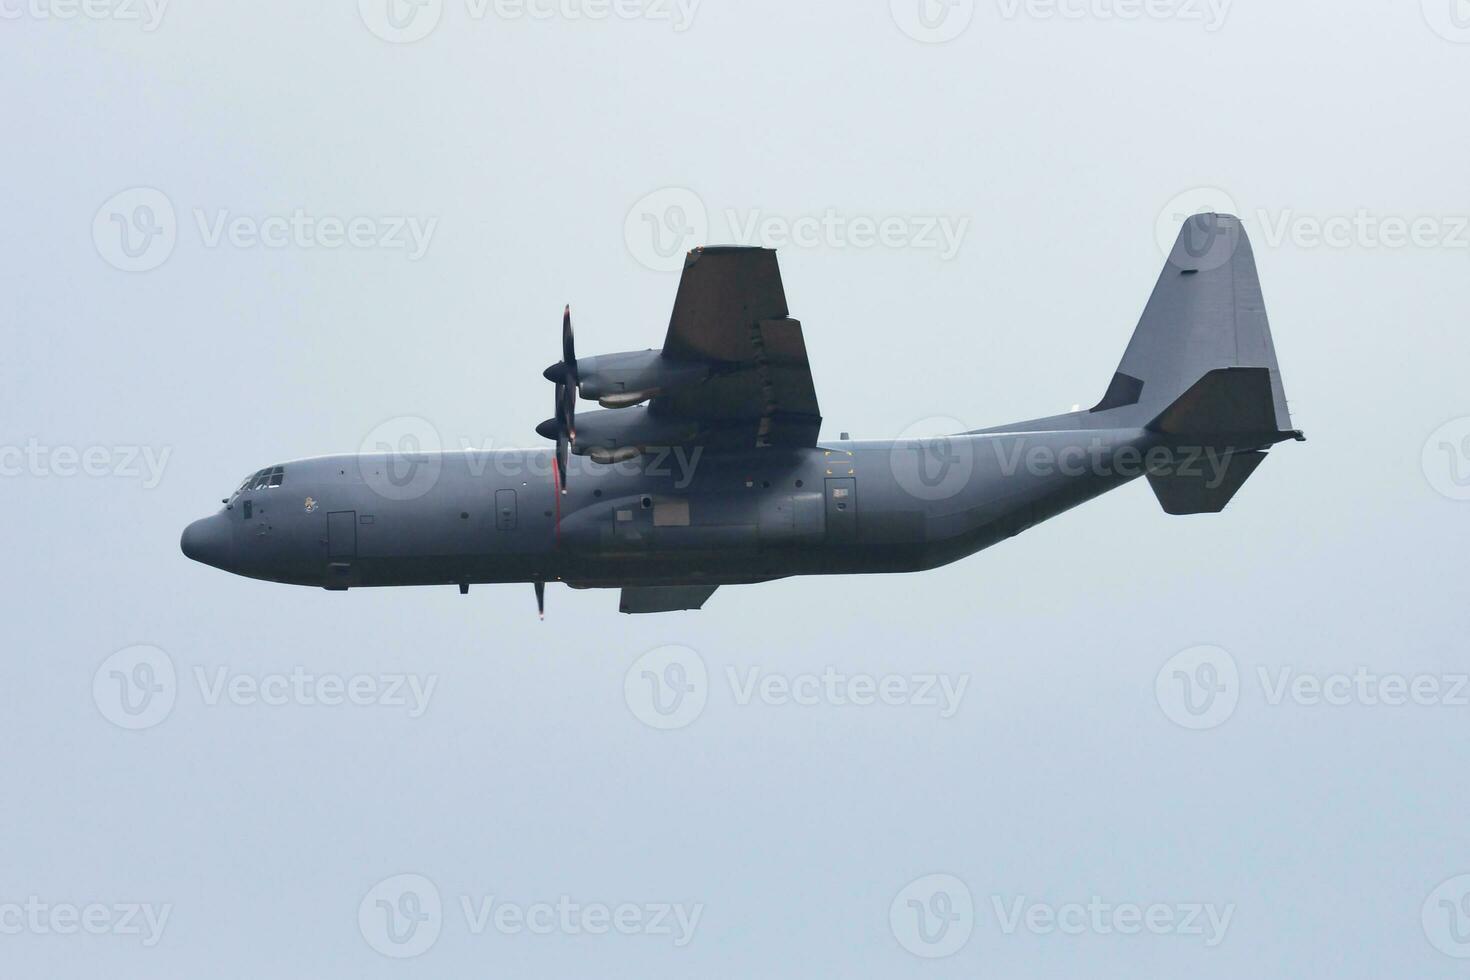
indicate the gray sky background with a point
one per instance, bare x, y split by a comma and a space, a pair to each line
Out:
1062, 143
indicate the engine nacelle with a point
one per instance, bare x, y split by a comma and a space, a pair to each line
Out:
630, 378
614, 436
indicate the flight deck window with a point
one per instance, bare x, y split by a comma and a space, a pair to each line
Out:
277, 477
260, 478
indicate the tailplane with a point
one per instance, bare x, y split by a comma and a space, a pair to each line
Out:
1216, 432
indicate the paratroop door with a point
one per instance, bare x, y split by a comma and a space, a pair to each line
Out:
342, 535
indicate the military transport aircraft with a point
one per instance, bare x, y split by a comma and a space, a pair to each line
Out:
707, 467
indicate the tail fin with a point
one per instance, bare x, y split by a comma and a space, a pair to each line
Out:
1206, 312
1201, 369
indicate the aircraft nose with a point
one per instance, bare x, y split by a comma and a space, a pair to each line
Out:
208, 541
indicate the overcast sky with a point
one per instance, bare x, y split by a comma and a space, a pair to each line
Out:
241, 234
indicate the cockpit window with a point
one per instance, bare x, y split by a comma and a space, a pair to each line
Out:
266, 479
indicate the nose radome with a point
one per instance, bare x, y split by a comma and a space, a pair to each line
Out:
208, 541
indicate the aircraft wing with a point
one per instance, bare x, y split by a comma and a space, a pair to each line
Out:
730, 313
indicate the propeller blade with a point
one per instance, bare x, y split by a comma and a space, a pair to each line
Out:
568, 345
541, 598
562, 447
567, 410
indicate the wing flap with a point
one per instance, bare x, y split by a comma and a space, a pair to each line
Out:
662, 598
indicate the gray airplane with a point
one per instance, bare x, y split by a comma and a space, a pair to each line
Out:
707, 468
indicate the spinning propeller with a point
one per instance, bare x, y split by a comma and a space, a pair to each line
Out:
562, 426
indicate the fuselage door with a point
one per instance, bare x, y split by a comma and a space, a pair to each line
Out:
342, 535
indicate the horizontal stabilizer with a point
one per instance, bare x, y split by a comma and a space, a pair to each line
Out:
1225, 401
672, 598
1233, 403
1202, 488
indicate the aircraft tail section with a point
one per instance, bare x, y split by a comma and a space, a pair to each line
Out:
1206, 313
1201, 360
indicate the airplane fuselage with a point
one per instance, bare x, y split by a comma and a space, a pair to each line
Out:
667, 518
